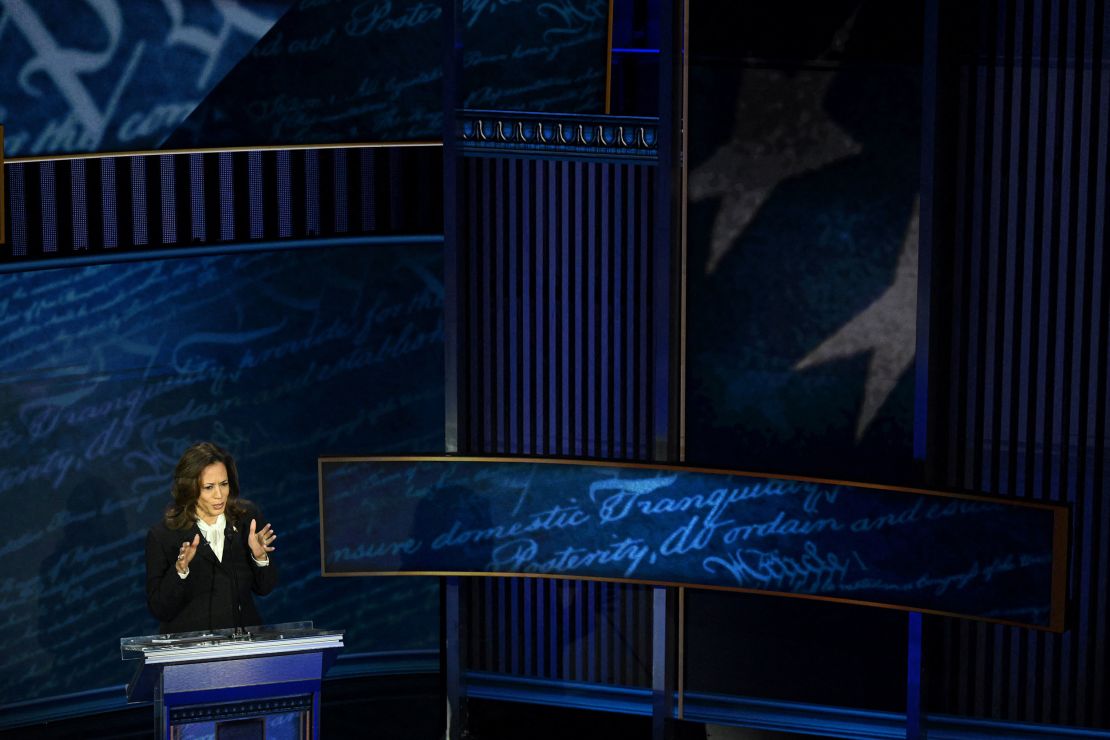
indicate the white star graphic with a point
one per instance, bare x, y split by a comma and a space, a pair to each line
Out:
781, 131
887, 328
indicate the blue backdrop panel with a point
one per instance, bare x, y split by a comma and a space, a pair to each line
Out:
371, 71
113, 75
903, 548
1022, 330
804, 169
548, 56
802, 278
108, 373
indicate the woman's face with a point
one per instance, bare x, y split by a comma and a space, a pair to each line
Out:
214, 490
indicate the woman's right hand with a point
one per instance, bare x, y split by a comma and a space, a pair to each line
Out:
186, 553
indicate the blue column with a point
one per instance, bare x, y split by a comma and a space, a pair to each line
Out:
662, 662
923, 433
666, 332
451, 646
915, 674
452, 66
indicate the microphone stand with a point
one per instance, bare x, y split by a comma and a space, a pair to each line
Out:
236, 604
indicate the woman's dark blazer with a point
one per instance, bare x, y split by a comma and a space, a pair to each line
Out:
216, 594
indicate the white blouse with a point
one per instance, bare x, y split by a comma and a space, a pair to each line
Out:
213, 534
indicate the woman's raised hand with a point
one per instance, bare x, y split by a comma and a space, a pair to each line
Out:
186, 553
260, 541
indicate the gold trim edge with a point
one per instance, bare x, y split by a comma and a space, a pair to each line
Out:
229, 149
1052, 625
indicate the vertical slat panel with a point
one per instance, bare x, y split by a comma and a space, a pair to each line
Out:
1099, 514
501, 399
486, 370
539, 341
312, 191
88, 205
1084, 298
591, 307
48, 199
255, 193
514, 304
285, 194
643, 334
169, 199
561, 271
581, 307
558, 332
616, 309
339, 187
1025, 400
528, 282
605, 245
79, 187
227, 198
551, 330
139, 230
18, 213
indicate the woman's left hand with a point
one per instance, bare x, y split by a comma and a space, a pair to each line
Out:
260, 541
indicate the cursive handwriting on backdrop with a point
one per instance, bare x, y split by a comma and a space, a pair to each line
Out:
109, 75
897, 547
110, 371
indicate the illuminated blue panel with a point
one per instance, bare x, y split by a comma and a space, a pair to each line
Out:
336, 71
285, 195
340, 189
901, 548
169, 200
108, 202
254, 164
49, 208
133, 359
196, 192
138, 200
227, 198
312, 191
78, 190
116, 76
19, 211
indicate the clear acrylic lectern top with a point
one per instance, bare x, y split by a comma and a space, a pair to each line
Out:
229, 643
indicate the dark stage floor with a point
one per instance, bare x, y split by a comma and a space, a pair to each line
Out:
407, 708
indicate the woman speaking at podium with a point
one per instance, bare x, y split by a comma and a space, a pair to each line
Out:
210, 551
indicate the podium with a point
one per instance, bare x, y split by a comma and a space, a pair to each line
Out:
257, 682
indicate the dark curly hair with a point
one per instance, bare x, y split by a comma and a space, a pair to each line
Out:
182, 512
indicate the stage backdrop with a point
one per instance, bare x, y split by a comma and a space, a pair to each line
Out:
108, 372
802, 274
116, 75
905, 548
804, 150
372, 71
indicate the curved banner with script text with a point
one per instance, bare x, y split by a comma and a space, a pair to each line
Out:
1001, 561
